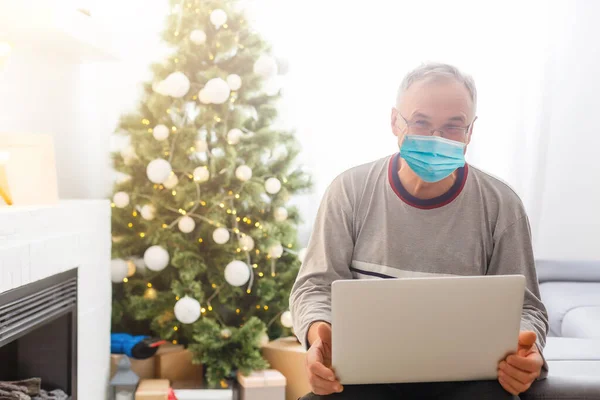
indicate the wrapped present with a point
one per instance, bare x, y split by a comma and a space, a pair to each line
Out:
142, 368
227, 391
175, 364
153, 389
288, 356
262, 385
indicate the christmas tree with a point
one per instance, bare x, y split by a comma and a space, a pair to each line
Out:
204, 242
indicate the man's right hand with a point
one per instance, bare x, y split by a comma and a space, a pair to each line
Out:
318, 361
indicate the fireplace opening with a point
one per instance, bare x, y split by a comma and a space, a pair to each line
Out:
38, 334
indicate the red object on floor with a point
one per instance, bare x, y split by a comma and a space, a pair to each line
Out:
172, 395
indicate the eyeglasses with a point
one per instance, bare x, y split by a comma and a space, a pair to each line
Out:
422, 127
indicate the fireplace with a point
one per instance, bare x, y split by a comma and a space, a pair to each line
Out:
38, 332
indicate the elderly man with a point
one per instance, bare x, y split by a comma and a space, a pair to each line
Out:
420, 212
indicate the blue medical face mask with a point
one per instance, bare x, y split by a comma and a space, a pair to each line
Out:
432, 158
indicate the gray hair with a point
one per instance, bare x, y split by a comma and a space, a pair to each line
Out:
432, 71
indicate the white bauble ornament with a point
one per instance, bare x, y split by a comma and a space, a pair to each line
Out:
246, 243
139, 264
237, 273
234, 136
280, 214
177, 84
276, 250
198, 36
218, 17
128, 154
187, 310
160, 132
118, 270
272, 185
148, 212
156, 258
263, 340
158, 170
221, 235
234, 81
186, 224
217, 152
172, 181
121, 199
161, 88
243, 173
272, 87
265, 66
286, 319
302, 255
225, 333
218, 90
201, 146
201, 174
204, 96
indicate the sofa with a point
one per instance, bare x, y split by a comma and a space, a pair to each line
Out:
570, 291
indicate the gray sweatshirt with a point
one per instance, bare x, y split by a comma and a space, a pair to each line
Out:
368, 226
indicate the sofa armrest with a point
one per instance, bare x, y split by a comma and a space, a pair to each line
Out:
567, 271
559, 387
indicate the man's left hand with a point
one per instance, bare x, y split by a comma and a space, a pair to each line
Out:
518, 371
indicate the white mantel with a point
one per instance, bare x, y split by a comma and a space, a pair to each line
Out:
38, 242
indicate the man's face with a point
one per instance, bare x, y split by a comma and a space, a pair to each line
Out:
436, 104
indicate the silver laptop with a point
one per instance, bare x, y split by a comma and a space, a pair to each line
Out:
424, 329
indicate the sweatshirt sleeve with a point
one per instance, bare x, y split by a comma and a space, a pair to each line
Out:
328, 258
513, 254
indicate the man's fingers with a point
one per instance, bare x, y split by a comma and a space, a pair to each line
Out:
324, 331
320, 370
527, 339
527, 364
509, 382
322, 386
520, 375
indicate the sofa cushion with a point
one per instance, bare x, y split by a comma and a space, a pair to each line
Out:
561, 297
572, 349
582, 322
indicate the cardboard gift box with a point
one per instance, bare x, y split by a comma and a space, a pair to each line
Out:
262, 385
142, 368
153, 389
175, 364
288, 356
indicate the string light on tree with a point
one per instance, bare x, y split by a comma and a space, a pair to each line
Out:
201, 174
218, 18
234, 136
280, 214
286, 319
272, 185
118, 270
234, 81
243, 173
220, 235
148, 212
150, 294
198, 37
187, 310
237, 273
158, 170
186, 224
246, 243
121, 199
156, 258
160, 132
